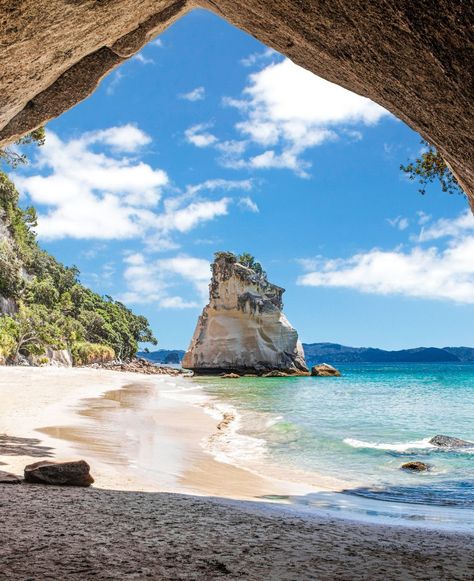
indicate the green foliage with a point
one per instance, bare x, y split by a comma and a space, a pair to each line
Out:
430, 167
55, 309
249, 261
84, 353
13, 157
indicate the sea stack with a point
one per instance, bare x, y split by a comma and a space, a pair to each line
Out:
243, 329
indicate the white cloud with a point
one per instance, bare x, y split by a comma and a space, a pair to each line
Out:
257, 57
197, 94
434, 272
155, 281
220, 184
287, 110
399, 222
453, 228
184, 219
114, 82
143, 60
247, 203
199, 136
157, 42
125, 138
92, 193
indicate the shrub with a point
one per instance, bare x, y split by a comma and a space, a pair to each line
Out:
85, 353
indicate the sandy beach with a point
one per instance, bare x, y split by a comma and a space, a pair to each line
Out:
137, 522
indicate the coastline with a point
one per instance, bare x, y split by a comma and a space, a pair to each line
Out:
66, 414
133, 525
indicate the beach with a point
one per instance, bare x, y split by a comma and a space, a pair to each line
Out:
191, 516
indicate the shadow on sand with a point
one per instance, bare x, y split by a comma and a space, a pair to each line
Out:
15, 446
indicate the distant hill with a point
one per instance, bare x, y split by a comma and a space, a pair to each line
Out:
465, 354
166, 356
335, 353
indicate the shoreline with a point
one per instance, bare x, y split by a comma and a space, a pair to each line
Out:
164, 434
90, 418
128, 526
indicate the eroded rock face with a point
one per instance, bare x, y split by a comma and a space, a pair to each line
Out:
243, 329
413, 58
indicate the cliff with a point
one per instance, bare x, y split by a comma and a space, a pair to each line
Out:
243, 328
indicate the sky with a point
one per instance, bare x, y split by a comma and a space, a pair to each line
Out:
206, 141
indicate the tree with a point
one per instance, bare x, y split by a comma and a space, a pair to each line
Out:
12, 157
430, 167
248, 260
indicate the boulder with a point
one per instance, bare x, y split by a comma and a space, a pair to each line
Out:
415, 466
276, 374
9, 478
325, 370
230, 376
243, 329
59, 473
449, 442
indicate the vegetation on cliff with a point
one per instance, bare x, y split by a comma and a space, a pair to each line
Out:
430, 167
54, 309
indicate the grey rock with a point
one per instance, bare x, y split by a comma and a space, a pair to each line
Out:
449, 442
59, 473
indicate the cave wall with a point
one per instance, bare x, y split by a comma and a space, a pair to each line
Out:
413, 58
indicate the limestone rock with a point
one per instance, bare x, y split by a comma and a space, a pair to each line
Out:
243, 329
415, 466
59, 473
9, 478
449, 442
230, 376
325, 370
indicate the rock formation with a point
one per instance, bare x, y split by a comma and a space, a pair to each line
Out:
413, 58
325, 370
59, 473
242, 329
449, 442
415, 466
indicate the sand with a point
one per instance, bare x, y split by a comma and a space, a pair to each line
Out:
133, 525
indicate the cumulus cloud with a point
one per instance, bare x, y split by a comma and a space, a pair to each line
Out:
90, 187
155, 281
197, 94
287, 110
435, 272
199, 136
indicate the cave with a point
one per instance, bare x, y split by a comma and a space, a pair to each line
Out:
410, 57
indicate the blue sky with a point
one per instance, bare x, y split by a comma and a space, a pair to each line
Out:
209, 141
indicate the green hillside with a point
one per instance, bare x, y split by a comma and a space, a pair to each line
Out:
53, 309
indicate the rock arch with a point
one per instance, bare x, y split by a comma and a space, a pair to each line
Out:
413, 58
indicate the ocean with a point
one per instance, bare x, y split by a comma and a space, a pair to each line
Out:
357, 430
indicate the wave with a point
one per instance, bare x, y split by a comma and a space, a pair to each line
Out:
397, 447
227, 444
423, 444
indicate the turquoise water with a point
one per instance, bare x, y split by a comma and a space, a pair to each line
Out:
361, 427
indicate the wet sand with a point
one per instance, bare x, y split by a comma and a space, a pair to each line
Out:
137, 432
133, 525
